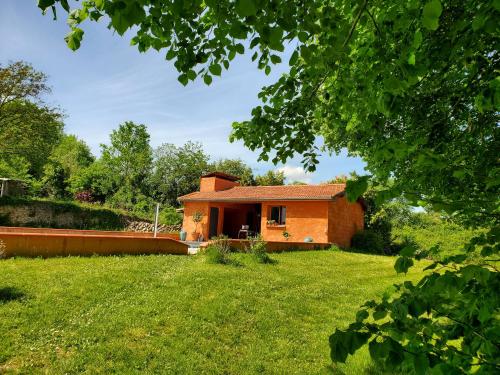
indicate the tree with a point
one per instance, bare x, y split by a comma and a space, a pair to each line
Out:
96, 180
128, 158
177, 171
29, 129
271, 178
67, 159
235, 167
412, 87
20, 82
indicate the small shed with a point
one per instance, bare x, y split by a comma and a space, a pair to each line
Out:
11, 187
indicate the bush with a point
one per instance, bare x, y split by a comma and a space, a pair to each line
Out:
219, 250
169, 216
400, 243
258, 248
368, 241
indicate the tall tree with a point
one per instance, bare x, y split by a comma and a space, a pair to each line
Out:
235, 167
410, 86
128, 158
271, 178
29, 129
177, 171
67, 159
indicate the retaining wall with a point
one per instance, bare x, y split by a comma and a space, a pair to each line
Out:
34, 242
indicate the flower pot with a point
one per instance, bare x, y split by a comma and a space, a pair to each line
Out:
182, 235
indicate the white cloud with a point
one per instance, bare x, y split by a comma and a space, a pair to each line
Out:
296, 174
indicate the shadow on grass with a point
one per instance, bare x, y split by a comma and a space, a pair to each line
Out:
9, 293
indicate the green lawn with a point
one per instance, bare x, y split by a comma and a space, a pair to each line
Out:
180, 314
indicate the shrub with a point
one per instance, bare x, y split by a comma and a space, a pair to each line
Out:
258, 248
401, 243
335, 248
219, 250
169, 216
368, 241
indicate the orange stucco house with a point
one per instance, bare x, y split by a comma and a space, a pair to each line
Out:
318, 212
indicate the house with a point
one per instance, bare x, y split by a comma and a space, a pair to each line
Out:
318, 212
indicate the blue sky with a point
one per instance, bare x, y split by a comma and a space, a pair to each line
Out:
107, 82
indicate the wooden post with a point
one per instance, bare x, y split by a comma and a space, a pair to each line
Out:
156, 219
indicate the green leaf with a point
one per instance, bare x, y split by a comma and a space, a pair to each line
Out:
403, 264
275, 37
430, 15
267, 70
294, 58
411, 58
215, 69
74, 38
119, 22
302, 37
275, 59
417, 39
183, 78
361, 315
356, 188
170, 54
191, 75
246, 8
44, 4
338, 352
379, 314
207, 78
240, 48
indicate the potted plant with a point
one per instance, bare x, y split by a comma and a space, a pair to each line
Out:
197, 218
286, 235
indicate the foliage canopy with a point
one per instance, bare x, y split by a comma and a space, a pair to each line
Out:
413, 88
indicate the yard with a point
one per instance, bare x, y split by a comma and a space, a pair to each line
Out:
179, 314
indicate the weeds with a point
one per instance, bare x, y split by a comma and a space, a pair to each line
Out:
219, 251
258, 248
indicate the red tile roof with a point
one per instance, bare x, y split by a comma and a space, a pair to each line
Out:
268, 193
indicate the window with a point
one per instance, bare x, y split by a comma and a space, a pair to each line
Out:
278, 215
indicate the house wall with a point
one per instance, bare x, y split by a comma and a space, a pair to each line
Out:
216, 184
345, 219
303, 219
190, 226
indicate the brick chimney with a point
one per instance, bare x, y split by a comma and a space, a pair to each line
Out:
217, 181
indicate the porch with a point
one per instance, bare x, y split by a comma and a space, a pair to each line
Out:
234, 220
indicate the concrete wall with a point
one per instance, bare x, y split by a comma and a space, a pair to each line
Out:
174, 236
55, 243
345, 219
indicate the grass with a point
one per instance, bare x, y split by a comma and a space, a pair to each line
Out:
179, 314
450, 237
